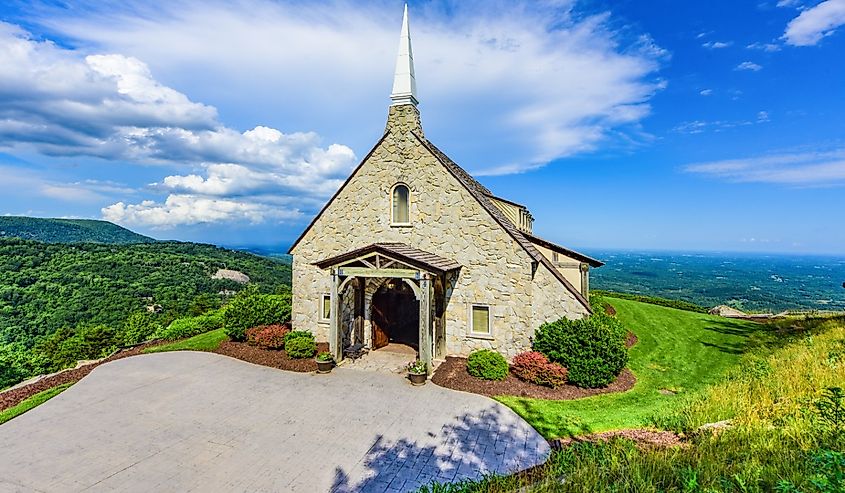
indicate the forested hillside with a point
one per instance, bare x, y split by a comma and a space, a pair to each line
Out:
67, 230
50, 293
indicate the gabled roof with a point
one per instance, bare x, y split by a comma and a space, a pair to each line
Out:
482, 195
569, 253
399, 251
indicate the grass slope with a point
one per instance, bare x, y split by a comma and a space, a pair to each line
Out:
32, 402
203, 342
68, 231
678, 351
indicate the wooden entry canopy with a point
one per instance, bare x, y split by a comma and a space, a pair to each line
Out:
387, 260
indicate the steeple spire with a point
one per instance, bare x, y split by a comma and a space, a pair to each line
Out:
404, 83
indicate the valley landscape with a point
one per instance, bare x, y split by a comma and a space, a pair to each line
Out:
555, 246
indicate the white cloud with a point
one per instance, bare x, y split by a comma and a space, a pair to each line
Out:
767, 47
58, 102
701, 126
181, 209
821, 168
526, 82
706, 92
714, 45
749, 66
815, 23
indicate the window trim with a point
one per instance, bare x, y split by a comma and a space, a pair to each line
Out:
322, 306
472, 332
392, 202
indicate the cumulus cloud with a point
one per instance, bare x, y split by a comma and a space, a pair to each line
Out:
58, 102
749, 66
815, 23
527, 82
181, 209
820, 168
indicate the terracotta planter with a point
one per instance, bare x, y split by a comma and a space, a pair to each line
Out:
324, 366
417, 378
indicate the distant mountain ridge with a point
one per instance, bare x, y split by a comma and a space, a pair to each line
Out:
54, 230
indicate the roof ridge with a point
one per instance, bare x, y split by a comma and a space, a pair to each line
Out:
481, 194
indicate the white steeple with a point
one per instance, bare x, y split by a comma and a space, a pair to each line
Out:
404, 83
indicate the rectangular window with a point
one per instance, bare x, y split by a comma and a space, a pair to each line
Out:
326, 308
480, 319
555, 256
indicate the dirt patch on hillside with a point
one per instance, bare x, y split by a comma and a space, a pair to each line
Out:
268, 357
453, 374
14, 397
646, 438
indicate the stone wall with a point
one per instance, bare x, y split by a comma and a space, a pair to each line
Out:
446, 220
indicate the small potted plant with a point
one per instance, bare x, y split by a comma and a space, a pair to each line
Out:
325, 362
417, 373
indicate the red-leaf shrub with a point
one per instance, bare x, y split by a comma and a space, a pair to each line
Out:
268, 336
534, 367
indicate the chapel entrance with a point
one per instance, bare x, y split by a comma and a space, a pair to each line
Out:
395, 315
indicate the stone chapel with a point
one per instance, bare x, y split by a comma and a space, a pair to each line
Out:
412, 250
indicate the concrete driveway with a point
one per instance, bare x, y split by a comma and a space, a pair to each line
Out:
192, 421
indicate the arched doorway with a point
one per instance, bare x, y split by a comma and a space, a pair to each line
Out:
395, 315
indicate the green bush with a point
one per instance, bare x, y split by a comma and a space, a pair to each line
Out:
140, 327
592, 349
487, 364
298, 334
190, 326
67, 346
301, 347
250, 308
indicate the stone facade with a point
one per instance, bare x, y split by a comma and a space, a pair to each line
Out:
446, 220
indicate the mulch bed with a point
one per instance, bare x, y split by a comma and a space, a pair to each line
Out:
452, 374
630, 340
646, 438
11, 398
269, 357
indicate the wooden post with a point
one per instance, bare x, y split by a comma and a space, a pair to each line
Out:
335, 319
425, 322
359, 310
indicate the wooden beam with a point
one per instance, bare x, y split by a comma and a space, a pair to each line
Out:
367, 272
335, 319
425, 324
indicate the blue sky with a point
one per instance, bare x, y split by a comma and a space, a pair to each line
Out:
621, 125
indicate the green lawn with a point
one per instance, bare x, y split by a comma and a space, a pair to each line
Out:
203, 342
680, 351
31, 402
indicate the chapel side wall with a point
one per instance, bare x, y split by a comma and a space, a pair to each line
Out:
447, 221
552, 300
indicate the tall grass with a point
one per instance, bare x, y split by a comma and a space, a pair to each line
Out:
777, 440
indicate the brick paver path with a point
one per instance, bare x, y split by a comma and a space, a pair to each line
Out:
203, 422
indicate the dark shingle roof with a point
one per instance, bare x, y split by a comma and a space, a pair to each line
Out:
482, 195
400, 251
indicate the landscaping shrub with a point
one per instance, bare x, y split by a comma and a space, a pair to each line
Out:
190, 326
487, 364
268, 336
301, 347
534, 367
250, 308
298, 334
592, 348
140, 327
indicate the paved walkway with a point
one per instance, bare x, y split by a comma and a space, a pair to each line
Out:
204, 422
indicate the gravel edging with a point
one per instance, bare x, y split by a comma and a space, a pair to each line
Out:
452, 374
15, 395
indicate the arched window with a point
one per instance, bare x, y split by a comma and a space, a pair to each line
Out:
401, 204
